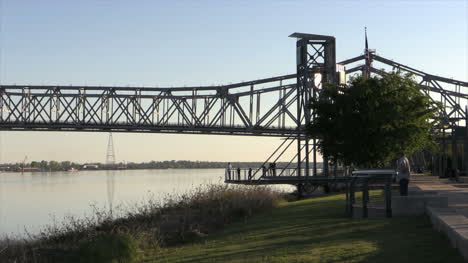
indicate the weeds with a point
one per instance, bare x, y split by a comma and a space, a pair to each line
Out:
152, 224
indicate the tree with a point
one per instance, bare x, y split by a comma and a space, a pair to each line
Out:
368, 122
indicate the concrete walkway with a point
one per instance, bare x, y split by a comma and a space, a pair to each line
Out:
457, 193
451, 220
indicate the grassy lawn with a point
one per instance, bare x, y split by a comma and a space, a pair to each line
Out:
316, 230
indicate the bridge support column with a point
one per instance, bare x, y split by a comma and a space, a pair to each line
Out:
454, 164
299, 156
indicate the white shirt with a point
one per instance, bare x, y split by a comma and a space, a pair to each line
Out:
403, 168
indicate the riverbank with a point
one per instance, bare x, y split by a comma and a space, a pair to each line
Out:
127, 232
222, 223
316, 230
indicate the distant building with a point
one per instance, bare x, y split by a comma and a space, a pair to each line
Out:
90, 167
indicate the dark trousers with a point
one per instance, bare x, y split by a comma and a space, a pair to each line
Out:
404, 187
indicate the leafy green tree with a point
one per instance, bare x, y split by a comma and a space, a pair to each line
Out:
54, 166
44, 165
65, 165
369, 121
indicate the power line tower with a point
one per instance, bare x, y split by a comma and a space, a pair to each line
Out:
110, 158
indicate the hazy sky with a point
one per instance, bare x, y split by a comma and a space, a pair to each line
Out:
201, 43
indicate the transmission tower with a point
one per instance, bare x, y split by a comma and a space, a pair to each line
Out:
110, 159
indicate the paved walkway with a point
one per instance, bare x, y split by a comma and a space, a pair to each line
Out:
457, 193
453, 220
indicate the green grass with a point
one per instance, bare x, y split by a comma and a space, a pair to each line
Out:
316, 230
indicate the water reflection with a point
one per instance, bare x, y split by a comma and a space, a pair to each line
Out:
110, 184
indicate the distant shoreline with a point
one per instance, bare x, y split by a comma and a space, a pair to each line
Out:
82, 170
132, 169
67, 166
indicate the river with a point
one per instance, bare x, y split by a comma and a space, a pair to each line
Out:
33, 200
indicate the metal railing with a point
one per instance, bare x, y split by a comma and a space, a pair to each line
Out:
255, 174
248, 174
361, 181
238, 174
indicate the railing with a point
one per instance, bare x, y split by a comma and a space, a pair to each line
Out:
247, 174
360, 181
255, 174
238, 174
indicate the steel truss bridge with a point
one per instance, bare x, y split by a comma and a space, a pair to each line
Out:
276, 106
235, 109
265, 107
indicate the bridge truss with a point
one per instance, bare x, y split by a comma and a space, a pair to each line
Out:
275, 106
264, 107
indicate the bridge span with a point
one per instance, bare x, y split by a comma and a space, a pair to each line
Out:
276, 106
264, 107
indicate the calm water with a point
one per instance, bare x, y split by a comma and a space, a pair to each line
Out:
33, 200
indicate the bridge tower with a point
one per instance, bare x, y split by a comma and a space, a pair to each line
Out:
315, 64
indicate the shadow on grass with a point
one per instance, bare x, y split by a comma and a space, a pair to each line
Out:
316, 230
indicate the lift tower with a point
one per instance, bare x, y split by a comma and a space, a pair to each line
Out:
316, 64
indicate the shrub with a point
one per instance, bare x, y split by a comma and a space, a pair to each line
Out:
108, 248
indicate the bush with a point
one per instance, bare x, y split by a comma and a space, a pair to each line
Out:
108, 248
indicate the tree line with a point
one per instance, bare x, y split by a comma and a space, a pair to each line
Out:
46, 166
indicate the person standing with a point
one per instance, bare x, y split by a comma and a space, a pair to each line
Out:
229, 168
403, 169
264, 171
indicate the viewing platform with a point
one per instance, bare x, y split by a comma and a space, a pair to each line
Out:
357, 181
250, 176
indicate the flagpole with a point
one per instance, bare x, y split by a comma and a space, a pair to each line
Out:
366, 56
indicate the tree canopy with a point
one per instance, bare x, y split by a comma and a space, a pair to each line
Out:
369, 121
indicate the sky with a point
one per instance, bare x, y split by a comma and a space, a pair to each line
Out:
176, 43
